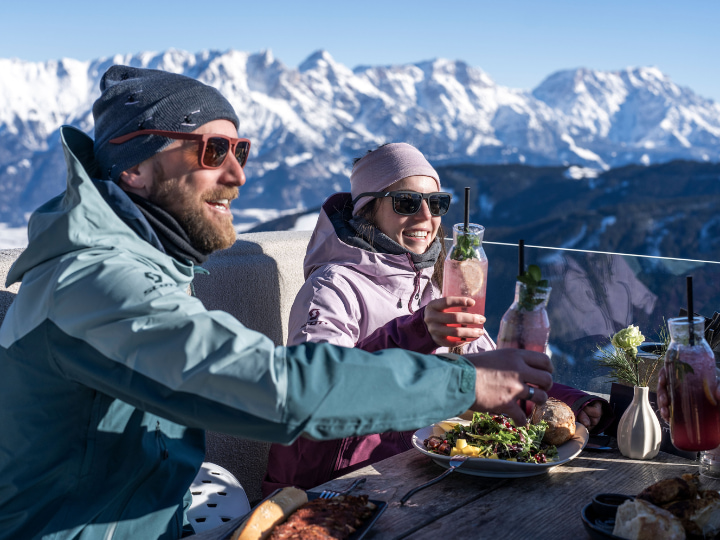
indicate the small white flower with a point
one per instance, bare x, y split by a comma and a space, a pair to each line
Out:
628, 339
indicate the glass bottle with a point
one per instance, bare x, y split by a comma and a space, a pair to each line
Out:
466, 268
710, 463
525, 324
691, 382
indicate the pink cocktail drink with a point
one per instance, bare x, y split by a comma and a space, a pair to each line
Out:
466, 268
694, 411
466, 278
525, 324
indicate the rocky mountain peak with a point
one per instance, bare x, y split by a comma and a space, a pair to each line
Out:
307, 123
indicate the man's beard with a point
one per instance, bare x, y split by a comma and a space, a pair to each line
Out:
188, 208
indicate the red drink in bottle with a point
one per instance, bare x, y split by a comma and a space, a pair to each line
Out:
694, 411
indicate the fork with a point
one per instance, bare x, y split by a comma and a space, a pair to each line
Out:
455, 462
329, 494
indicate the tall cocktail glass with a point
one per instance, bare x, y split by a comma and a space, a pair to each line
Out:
525, 324
690, 367
466, 267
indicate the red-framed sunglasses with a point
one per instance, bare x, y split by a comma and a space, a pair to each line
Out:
214, 148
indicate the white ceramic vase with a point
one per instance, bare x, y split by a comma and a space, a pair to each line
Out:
639, 434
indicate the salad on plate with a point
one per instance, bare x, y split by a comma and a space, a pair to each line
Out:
492, 436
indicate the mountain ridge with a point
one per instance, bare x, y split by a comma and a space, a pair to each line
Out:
307, 123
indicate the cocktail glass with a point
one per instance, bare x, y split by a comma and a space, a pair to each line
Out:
525, 325
690, 367
466, 267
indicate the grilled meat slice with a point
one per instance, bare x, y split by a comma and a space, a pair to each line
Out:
322, 519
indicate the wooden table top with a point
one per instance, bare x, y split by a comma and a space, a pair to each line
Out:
537, 507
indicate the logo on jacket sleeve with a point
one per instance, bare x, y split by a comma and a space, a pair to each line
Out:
157, 280
314, 318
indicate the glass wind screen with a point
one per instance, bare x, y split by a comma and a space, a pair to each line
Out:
596, 294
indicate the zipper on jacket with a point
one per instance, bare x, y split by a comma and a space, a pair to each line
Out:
416, 292
416, 285
164, 454
337, 458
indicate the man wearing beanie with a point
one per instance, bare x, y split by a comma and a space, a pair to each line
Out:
110, 372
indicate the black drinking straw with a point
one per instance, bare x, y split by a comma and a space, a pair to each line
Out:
691, 329
521, 271
467, 208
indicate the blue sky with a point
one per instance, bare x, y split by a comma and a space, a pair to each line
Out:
517, 42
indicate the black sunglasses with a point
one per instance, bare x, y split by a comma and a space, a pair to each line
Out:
407, 203
214, 148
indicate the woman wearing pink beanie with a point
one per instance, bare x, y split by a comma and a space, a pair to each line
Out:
373, 272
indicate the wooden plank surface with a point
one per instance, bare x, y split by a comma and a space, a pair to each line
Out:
545, 506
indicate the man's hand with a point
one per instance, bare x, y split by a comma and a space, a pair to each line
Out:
590, 415
503, 376
465, 326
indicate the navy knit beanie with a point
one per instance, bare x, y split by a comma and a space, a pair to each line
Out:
134, 98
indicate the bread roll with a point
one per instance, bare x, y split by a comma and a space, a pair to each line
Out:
560, 419
707, 517
640, 520
269, 513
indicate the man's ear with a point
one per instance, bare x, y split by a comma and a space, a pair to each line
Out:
137, 179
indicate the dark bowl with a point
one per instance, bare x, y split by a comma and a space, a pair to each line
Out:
606, 504
599, 516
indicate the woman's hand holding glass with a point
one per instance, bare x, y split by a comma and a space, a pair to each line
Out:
449, 329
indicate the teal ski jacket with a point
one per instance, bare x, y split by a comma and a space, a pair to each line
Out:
110, 373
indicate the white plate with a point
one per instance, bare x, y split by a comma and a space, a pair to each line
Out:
499, 468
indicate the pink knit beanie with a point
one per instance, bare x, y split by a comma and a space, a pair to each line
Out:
385, 166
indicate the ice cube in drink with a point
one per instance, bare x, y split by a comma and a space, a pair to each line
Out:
466, 278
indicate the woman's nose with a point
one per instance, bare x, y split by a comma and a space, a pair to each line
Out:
425, 210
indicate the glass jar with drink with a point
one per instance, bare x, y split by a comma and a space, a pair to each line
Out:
691, 376
466, 267
525, 325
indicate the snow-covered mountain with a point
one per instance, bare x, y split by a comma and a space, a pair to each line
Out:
307, 124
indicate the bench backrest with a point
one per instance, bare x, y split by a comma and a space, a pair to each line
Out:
256, 280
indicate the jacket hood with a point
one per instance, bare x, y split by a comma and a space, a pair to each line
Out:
326, 247
86, 215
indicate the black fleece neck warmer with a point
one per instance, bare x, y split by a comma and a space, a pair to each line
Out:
172, 236
367, 236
